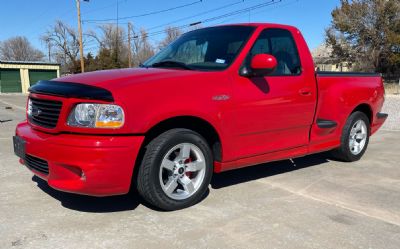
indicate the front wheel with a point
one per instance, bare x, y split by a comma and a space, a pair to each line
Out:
354, 139
176, 170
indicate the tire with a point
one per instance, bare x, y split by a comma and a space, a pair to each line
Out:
176, 170
355, 132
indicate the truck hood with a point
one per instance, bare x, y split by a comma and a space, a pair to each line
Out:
121, 78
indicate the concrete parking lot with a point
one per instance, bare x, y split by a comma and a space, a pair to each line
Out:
309, 202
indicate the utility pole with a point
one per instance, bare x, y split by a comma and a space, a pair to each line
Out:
49, 47
78, 6
48, 43
129, 45
116, 41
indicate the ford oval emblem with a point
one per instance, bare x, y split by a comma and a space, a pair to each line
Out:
36, 112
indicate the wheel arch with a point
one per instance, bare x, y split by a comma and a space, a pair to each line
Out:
199, 125
366, 109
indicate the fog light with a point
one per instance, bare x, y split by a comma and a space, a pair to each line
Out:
75, 172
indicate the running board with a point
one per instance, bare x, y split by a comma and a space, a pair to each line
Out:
326, 124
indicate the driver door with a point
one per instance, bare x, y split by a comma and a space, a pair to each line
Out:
274, 112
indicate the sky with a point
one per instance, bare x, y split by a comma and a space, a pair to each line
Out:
33, 18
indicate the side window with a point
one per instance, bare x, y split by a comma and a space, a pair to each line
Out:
279, 43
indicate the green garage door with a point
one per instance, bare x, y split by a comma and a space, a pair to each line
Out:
36, 75
10, 81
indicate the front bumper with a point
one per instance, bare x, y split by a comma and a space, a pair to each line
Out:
97, 165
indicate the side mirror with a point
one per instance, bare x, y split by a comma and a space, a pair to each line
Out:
260, 65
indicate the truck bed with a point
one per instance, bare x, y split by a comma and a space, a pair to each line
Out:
345, 74
340, 93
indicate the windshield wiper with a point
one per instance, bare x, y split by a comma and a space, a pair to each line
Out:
168, 63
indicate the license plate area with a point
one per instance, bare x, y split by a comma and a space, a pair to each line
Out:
19, 146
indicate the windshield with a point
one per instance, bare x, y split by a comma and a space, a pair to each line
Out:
203, 49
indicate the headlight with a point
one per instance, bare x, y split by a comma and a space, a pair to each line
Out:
29, 109
96, 116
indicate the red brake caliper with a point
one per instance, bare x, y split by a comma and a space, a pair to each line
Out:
188, 173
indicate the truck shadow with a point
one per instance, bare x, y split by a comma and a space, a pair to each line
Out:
233, 177
132, 200
90, 204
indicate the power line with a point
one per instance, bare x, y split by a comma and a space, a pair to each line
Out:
211, 19
69, 11
232, 13
262, 11
36, 19
199, 14
192, 16
272, 2
184, 18
181, 19
279, 6
145, 14
101, 8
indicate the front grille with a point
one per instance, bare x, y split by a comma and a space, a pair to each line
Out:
37, 164
45, 113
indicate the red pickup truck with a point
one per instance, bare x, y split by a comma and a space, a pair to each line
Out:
216, 99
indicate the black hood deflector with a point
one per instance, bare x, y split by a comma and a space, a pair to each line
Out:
71, 90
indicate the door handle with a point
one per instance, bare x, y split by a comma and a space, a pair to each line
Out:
305, 91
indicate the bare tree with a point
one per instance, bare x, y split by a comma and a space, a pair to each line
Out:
113, 39
65, 41
171, 34
142, 49
19, 49
111, 36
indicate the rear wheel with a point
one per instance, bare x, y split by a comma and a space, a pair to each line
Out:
176, 170
355, 138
